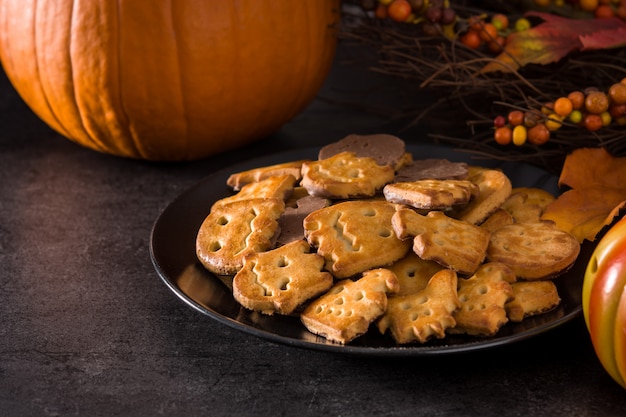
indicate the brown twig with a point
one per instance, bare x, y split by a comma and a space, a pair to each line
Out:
452, 72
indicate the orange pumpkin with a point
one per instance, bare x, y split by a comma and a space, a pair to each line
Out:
164, 79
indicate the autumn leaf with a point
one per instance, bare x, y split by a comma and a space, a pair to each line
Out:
555, 38
598, 192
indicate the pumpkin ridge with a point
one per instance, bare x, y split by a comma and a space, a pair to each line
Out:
150, 86
55, 122
88, 139
121, 109
181, 82
125, 142
38, 76
87, 129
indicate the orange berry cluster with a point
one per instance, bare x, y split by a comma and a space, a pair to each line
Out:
591, 109
435, 16
492, 32
599, 8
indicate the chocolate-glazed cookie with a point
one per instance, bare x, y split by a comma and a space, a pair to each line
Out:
385, 149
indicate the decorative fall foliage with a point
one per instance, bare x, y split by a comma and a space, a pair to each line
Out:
555, 38
598, 192
548, 53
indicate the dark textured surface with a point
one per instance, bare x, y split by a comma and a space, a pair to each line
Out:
88, 329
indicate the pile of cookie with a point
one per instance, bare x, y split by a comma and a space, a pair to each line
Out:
370, 236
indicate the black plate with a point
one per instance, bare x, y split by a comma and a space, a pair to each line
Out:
172, 249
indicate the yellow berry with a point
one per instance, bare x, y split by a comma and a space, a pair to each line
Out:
522, 24
554, 122
500, 21
547, 108
520, 133
575, 116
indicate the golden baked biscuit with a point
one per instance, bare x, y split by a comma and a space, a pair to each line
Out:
406, 160
239, 179
497, 219
483, 296
233, 230
521, 209
531, 298
345, 175
495, 187
533, 250
279, 187
355, 236
425, 314
280, 280
456, 244
413, 273
346, 311
535, 195
431, 194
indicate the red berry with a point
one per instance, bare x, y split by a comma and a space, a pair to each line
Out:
488, 32
604, 11
592, 122
471, 39
538, 134
433, 14
399, 10
499, 121
503, 135
577, 98
448, 16
516, 117
617, 110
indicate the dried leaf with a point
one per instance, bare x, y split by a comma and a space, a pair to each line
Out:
584, 212
594, 167
555, 38
598, 192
